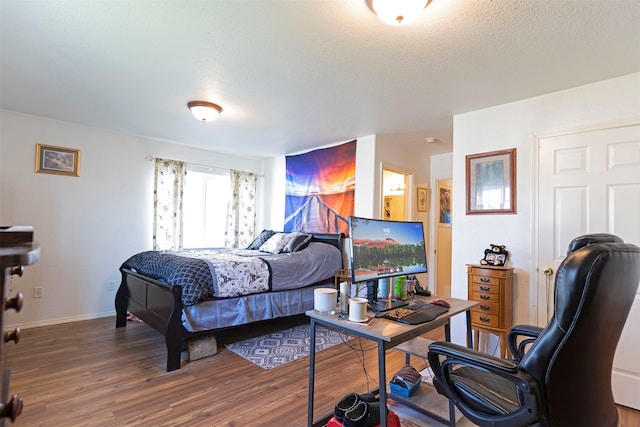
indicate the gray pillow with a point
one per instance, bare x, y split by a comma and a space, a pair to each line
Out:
298, 242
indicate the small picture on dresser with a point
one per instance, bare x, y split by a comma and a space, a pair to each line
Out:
57, 160
495, 255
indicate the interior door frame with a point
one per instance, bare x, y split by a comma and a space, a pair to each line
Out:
409, 190
534, 282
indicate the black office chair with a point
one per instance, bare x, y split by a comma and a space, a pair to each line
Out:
560, 375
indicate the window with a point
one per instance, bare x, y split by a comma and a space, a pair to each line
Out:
205, 200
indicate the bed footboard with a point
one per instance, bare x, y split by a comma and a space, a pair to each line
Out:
159, 305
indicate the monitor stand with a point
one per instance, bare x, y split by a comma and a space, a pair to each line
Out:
386, 304
382, 304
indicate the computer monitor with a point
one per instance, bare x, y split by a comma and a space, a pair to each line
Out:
385, 249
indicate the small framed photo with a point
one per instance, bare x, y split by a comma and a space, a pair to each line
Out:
57, 160
423, 199
491, 182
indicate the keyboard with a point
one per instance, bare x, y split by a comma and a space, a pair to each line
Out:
414, 316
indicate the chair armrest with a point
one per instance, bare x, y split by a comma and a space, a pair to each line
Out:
471, 357
445, 358
518, 349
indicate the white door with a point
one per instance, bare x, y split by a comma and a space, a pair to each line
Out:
589, 182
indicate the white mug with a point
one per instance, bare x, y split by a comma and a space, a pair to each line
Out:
358, 309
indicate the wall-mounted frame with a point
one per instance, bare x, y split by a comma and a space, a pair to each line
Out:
57, 160
423, 199
491, 182
444, 200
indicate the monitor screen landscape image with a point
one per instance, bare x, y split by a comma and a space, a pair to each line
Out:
381, 249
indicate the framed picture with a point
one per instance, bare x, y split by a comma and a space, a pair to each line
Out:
423, 199
444, 196
491, 182
57, 160
495, 255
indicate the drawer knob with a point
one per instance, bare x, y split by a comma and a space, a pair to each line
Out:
19, 270
485, 307
485, 279
485, 297
484, 319
14, 303
12, 335
12, 409
485, 288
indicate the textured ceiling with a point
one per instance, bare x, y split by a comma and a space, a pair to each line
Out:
295, 75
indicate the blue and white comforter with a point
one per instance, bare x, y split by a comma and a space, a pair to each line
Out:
224, 273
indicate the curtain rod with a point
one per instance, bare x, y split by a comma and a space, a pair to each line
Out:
152, 159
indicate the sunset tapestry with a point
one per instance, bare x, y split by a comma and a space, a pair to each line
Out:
320, 189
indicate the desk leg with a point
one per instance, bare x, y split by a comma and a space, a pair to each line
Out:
469, 331
312, 365
382, 374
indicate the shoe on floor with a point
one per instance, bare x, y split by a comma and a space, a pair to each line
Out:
349, 402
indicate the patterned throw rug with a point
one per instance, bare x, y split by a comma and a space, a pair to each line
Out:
277, 348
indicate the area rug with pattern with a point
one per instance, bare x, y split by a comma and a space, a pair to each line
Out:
284, 346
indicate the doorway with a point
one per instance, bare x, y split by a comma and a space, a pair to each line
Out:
442, 219
394, 199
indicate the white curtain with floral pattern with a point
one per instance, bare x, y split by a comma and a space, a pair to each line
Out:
241, 212
167, 204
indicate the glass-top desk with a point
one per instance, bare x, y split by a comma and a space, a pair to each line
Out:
387, 334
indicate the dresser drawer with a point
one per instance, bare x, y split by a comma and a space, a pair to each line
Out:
485, 280
485, 297
487, 289
483, 319
488, 308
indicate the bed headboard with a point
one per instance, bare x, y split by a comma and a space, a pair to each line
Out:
336, 240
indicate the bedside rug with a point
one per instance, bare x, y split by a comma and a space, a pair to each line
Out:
277, 348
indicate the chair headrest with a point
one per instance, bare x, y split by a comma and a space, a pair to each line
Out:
590, 239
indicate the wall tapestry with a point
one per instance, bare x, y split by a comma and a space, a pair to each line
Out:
320, 190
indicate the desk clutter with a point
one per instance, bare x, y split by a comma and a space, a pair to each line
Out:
406, 381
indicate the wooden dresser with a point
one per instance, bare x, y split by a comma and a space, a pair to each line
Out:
492, 287
13, 256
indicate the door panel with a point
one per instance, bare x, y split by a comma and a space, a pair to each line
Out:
589, 182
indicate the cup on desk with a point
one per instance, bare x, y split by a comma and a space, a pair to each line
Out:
358, 309
325, 300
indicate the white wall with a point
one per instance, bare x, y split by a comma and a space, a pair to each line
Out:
88, 225
515, 125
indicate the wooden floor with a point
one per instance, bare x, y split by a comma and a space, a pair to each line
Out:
91, 374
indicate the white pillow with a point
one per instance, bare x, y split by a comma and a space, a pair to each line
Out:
277, 242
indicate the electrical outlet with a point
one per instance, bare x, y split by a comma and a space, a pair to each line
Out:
111, 285
38, 292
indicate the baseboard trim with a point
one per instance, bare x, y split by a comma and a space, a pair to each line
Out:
62, 320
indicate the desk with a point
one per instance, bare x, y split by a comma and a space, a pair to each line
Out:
387, 334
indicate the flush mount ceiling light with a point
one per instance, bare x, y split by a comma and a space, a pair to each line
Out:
204, 111
397, 12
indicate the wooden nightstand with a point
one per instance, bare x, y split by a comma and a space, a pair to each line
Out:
492, 287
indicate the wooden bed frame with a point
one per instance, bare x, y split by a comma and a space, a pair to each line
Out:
160, 305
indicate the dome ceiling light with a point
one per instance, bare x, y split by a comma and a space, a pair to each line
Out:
204, 111
397, 12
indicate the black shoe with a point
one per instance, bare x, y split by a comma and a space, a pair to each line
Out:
364, 414
349, 402
355, 416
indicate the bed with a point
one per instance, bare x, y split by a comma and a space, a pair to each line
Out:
172, 293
